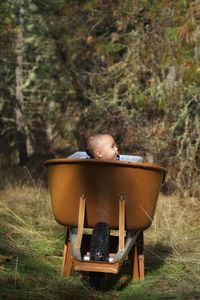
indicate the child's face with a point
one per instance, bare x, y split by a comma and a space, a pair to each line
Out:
106, 148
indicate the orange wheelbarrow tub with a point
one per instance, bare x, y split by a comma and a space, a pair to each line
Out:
120, 195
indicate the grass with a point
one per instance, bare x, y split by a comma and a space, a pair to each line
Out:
31, 245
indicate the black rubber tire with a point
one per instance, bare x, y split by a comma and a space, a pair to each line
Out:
99, 251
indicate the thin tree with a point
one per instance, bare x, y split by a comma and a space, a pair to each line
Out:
19, 107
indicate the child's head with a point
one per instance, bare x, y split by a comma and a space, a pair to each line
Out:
102, 146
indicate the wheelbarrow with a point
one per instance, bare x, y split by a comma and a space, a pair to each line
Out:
105, 206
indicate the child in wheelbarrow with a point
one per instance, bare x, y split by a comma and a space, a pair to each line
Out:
103, 146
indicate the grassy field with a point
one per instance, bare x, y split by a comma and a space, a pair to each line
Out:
31, 245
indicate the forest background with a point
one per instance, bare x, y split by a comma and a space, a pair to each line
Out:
72, 68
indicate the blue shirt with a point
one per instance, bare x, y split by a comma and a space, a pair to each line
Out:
131, 158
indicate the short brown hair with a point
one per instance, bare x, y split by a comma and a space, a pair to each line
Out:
91, 143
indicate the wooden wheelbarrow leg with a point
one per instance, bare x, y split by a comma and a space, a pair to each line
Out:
67, 252
67, 257
136, 256
121, 222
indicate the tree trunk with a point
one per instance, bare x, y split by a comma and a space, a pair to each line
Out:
19, 107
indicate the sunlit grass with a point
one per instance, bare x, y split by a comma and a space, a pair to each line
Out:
172, 247
31, 244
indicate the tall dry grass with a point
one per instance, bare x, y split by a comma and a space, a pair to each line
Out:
31, 245
172, 247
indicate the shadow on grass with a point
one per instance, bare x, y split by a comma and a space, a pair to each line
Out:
42, 278
30, 269
28, 277
154, 259
155, 256
27, 274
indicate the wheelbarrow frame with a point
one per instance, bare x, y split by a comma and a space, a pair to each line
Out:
130, 240
72, 254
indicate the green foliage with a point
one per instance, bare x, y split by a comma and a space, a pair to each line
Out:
109, 48
93, 65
